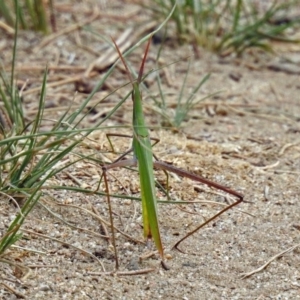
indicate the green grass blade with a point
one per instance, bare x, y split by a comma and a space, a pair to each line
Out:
5, 12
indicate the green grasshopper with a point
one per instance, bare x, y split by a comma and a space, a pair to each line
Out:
143, 158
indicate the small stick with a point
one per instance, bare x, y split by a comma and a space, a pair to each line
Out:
245, 275
65, 243
69, 29
123, 273
12, 290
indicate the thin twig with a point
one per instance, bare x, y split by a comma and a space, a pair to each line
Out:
69, 29
287, 146
7, 28
123, 273
65, 243
31, 68
14, 291
54, 84
245, 275
20, 266
69, 224
102, 220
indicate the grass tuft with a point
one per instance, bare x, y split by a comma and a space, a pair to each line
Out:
229, 26
185, 102
31, 14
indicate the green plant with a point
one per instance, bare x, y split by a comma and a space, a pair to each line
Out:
31, 15
184, 103
228, 26
30, 157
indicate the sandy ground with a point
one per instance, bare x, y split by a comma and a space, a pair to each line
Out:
245, 137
